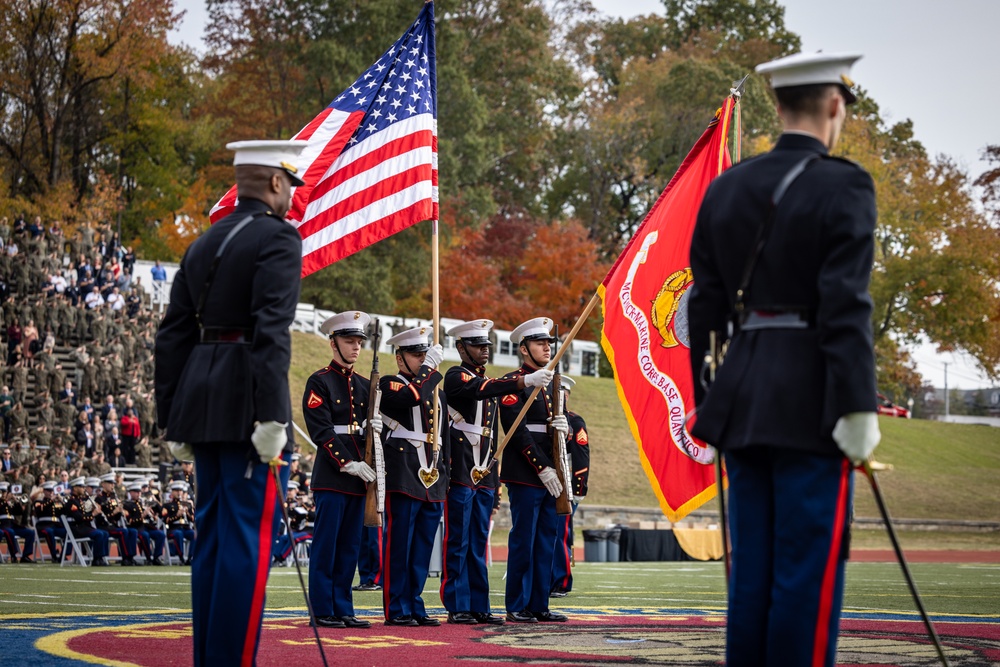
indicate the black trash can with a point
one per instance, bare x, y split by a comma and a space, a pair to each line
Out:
614, 544
595, 546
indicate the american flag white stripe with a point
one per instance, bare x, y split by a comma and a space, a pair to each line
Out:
360, 218
384, 169
385, 177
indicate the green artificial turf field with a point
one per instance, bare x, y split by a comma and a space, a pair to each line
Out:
946, 588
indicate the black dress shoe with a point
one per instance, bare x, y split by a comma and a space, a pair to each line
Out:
370, 587
461, 618
558, 593
26, 559
402, 620
487, 618
329, 622
99, 563
521, 617
549, 617
355, 622
156, 561
428, 621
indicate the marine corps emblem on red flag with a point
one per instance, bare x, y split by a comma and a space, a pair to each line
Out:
314, 400
646, 335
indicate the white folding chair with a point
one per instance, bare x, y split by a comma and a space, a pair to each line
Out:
79, 548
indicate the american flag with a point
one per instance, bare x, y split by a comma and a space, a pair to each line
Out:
371, 166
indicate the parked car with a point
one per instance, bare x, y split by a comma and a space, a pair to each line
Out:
890, 409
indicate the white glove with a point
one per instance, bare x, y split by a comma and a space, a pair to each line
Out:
181, 451
560, 424
540, 378
359, 469
269, 439
857, 435
375, 424
551, 481
434, 357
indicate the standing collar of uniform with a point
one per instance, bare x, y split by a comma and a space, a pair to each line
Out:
527, 368
478, 370
250, 205
800, 141
343, 370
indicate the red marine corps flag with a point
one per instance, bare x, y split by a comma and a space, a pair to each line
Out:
370, 168
645, 329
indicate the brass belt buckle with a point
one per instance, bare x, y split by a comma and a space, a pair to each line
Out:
487, 432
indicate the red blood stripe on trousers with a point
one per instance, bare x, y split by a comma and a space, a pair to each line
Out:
385, 560
265, 531
822, 637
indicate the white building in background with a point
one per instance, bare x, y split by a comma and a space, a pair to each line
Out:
582, 359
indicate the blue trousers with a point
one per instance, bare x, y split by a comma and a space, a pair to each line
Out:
177, 537
237, 520
562, 564
12, 532
788, 514
50, 532
531, 544
283, 545
465, 585
409, 541
370, 556
158, 537
127, 539
99, 541
334, 555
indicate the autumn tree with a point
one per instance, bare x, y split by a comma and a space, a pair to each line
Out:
937, 255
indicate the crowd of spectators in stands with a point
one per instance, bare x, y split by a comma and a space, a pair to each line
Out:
76, 376
72, 299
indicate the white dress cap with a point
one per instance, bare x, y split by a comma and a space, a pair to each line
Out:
807, 69
278, 154
473, 332
108, 477
537, 328
412, 340
567, 382
135, 487
348, 323
78, 481
93, 481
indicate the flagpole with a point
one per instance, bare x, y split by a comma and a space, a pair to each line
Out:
509, 432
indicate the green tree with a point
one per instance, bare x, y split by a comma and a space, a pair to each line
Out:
937, 255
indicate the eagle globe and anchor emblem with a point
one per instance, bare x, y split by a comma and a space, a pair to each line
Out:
669, 312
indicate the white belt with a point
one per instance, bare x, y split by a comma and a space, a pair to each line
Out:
348, 429
418, 436
483, 431
537, 428
6, 516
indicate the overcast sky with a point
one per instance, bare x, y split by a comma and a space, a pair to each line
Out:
933, 61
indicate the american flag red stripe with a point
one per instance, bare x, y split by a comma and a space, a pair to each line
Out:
371, 164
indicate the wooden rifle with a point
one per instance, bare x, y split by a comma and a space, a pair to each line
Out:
373, 508
564, 504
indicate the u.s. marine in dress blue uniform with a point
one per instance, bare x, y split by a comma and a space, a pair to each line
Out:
800, 363
473, 405
110, 520
335, 406
222, 359
11, 526
47, 511
412, 510
532, 483
141, 516
79, 510
578, 447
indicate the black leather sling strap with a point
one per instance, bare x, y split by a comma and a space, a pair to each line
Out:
765, 231
203, 297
